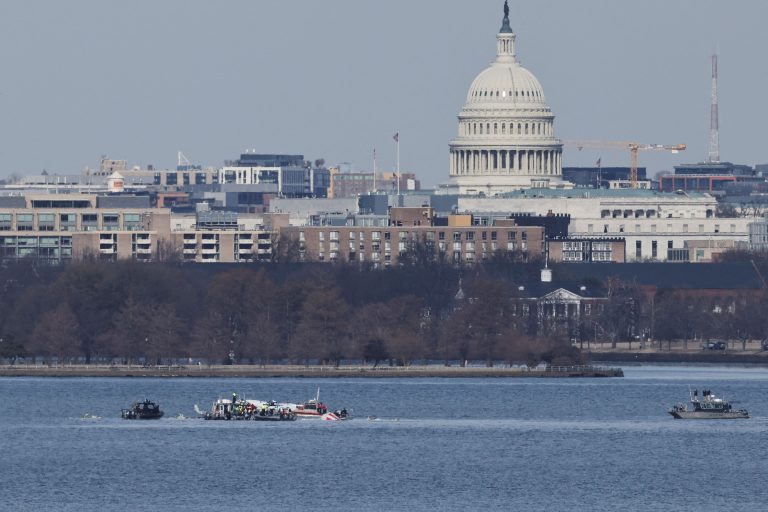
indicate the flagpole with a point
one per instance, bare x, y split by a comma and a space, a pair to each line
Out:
398, 165
374, 170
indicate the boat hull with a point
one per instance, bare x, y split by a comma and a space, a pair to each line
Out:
700, 415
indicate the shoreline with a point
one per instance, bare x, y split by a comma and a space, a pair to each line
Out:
272, 371
701, 357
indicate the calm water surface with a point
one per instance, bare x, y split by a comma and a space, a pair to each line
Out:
436, 444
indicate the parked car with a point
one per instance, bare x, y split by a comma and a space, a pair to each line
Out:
765, 344
715, 345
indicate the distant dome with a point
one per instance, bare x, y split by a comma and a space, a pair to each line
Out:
506, 138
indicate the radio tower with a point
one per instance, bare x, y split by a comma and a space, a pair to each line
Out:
714, 123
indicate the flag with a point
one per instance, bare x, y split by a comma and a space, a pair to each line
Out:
396, 137
599, 161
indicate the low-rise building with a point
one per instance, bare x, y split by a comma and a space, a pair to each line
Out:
587, 250
385, 246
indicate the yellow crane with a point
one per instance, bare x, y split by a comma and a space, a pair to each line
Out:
633, 147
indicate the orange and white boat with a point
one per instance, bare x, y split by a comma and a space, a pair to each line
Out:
314, 408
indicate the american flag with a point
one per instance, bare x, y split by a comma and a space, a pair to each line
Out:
396, 137
599, 161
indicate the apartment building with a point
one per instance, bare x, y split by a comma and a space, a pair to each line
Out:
385, 246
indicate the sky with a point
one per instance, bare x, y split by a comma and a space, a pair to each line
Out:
141, 80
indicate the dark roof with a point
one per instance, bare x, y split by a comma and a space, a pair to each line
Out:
691, 276
12, 202
537, 289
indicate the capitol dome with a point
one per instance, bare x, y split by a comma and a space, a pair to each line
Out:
506, 85
506, 135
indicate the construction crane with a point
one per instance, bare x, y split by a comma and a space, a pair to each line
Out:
633, 147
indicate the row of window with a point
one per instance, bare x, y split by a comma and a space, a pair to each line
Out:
653, 228
501, 129
504, 94
69, 221
582, 256
404, 235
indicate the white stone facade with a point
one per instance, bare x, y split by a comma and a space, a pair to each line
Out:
650, 222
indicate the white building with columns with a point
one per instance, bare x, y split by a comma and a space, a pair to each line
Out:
506, 137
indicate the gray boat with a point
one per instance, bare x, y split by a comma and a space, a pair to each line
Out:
708, 407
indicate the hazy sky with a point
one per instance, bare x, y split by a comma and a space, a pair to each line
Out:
334, 79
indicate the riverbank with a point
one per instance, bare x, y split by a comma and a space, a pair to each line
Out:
272, 371
735, 352
708, 357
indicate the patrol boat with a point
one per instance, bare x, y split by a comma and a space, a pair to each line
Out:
146, 410
708, 407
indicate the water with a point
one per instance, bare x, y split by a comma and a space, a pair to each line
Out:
437, 444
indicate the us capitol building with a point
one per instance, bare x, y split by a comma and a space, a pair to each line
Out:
506, 138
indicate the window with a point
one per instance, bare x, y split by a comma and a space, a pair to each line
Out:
46, 221
470, 235
654, 249
111, 221
669, 244
5, 221
24, 222
511, 235
493, 235
67, 221
441, 235
638, 249
132, 221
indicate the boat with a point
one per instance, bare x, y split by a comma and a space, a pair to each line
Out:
146, 410
246, 409
314, 408
708, 407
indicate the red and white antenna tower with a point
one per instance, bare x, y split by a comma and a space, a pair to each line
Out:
714, 122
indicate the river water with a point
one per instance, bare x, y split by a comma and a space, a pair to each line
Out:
435, 444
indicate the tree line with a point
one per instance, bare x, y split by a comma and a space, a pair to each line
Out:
261, 313
256, 314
